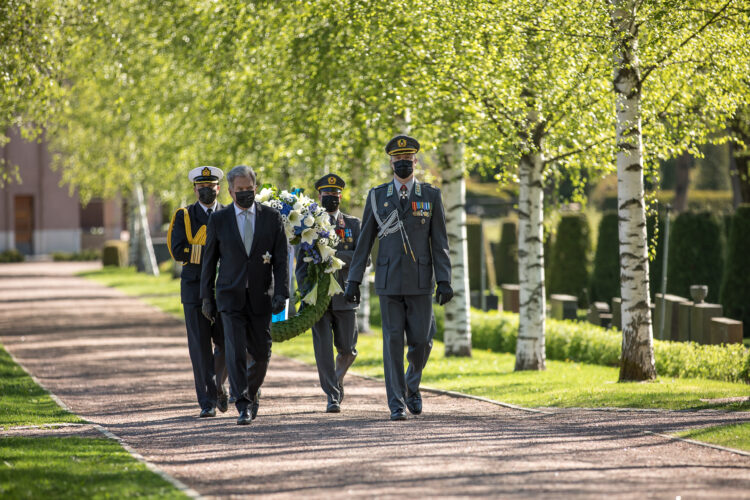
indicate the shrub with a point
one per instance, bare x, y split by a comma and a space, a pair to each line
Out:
656, 264
735, 290
473, 245
696, 254
115, 253
506, 255
570, 257
11, 255
587, 343
84, 255
605, 277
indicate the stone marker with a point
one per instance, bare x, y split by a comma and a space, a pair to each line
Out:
595, 312
511, 297
616, 313
700, 321
726, 331
684, 310
563, 306
671, 330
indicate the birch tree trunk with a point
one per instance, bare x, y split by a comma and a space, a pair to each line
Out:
147, 253
457, 336
530, 354
637, 360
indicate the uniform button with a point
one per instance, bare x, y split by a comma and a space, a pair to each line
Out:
423, 221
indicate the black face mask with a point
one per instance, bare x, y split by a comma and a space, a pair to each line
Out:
403, 168
330, 203
207, 195
244, 199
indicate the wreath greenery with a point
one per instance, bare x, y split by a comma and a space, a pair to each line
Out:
306, 224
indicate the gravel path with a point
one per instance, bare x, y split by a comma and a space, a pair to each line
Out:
124, 365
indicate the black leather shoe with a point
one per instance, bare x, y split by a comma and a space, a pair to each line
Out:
222, 403
341, 392
244, 418
399, 414
208, 412
254, 405
414, 403
232, 400
333, 407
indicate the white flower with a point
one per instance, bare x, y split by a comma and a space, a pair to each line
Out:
298, 206
337, 263
266, 258
289, 231
294, 218
309, 221
308, 235
322, 221
326, 252
264, 195
284, 195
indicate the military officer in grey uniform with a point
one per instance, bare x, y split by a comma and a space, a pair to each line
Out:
185, 239
408, 218
338, 325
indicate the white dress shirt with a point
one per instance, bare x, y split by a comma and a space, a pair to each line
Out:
409, 185
212, 207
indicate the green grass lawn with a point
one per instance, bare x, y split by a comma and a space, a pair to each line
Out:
732, 436
75, 467
487, 374
22, 402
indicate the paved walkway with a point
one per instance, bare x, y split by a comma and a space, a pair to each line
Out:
124, 365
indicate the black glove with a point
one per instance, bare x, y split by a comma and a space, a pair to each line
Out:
278, 303
209, 310
351, 294
444, 293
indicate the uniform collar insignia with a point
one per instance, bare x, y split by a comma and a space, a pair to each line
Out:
390, 189
418, 189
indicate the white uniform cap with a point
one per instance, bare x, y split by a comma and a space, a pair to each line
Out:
205, 174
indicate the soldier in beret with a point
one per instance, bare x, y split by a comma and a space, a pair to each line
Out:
408, 218
186, 239
338, 325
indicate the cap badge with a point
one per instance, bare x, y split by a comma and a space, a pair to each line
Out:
332, 180
206, 172
401, 143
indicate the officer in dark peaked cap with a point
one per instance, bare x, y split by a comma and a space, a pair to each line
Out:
186, 238
338, 325
407, 217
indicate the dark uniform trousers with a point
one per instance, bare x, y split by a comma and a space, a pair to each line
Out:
407, 266
338, 325
207, 361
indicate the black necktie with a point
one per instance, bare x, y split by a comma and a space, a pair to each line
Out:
332, 219
208, 212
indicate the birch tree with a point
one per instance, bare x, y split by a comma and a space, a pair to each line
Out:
676, 64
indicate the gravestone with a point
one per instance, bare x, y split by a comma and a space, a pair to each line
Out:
563, 306
726, 331
617, 313
596, 314
511, 297
684, 310
671, 313
700, 321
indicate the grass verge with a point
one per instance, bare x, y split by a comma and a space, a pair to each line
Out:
23, 402
487, 374
75, 467
732, 436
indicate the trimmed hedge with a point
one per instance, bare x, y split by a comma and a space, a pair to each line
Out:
115, 253
506, 255
655, 266
569, 266
735, 290
587, 343
605, 277
11, 255
696, 254
473, 248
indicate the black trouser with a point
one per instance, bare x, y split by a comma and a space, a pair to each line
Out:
334, 328
207, 360
246, 332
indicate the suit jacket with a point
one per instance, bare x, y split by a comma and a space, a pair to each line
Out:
396, 271
181, 250
265, 270
348, 227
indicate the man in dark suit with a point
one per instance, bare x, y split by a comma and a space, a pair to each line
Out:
338, 325
186, 239
248, 242
408, 218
